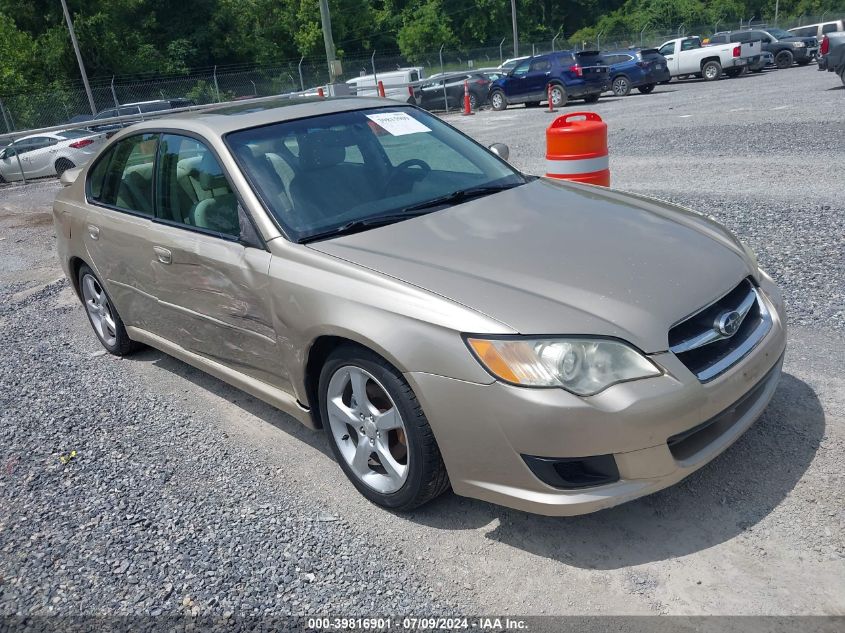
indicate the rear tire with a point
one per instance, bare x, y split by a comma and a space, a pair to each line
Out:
62, 165
559, 96
711, 71
354, 380
784, 59
647, 89
498, 101
621, 86
103, 316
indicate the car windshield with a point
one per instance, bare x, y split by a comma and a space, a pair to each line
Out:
780, 33
350, 170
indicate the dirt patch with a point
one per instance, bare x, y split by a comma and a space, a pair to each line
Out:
27, 220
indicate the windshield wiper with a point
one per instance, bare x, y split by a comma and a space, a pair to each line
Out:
462, 195
356, 226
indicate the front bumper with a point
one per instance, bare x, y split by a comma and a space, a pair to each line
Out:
484, 431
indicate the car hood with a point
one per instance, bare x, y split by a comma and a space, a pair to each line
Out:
555, 258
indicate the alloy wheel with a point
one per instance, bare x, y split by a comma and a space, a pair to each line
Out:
368, 429
557, 95
621, 86
99, 310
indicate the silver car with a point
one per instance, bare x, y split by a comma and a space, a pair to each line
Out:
48, 153
446, 319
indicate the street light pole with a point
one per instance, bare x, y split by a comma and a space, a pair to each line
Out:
79, 58
515, 34
326, 19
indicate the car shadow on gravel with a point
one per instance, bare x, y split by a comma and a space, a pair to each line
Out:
236, 397
717, 503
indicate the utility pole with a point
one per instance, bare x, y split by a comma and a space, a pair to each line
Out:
777, 6
334, 69
515, 34
79, 58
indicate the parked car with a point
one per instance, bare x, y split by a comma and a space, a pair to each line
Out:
510, 64
426, 308
819, 30
688, 56
566, 74
136, 111
640, 68
765, 60
786, 47
395, 83
832, 54
48, 153
447, 90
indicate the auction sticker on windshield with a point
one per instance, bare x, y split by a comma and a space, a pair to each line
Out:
398, 123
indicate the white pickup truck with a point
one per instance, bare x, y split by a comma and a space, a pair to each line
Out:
688, 56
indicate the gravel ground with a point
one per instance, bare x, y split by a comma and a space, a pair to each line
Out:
116, 500
188, 496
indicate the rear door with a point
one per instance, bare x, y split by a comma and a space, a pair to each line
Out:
213, 291
117, 228
539, 73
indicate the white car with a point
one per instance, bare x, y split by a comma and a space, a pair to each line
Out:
49, 153
510, 64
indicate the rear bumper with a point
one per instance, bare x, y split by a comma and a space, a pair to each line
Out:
584, 89
657, 431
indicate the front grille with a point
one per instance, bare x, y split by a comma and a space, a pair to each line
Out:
708, 349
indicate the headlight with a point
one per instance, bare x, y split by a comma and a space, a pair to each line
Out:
583, 366
798, 44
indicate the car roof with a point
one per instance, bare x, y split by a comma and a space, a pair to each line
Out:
223, 119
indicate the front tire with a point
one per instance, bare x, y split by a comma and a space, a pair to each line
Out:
498, 101
103, 316
378, 431
784, 59
711, 71
647, 89
621, 86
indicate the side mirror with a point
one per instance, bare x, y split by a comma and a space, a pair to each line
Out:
501, 150
3, 155
69, 176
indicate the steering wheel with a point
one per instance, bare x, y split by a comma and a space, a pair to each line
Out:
402, 169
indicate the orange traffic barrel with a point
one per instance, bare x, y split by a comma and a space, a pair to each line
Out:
577, 149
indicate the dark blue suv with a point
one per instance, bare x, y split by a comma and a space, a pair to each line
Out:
640, 68
567, 74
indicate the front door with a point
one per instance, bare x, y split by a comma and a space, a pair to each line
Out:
539, 73
213, 291
668, 51
516, 86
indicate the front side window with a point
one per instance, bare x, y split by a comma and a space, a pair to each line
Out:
521, 68
362, 166
123, 176
668, 49
192, 189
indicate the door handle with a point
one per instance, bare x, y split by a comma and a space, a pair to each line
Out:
163, 255
94, 232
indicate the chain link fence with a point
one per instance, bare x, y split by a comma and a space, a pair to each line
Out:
69, 104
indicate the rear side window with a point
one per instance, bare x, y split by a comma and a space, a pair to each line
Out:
833, 27
540, 65
123, 177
